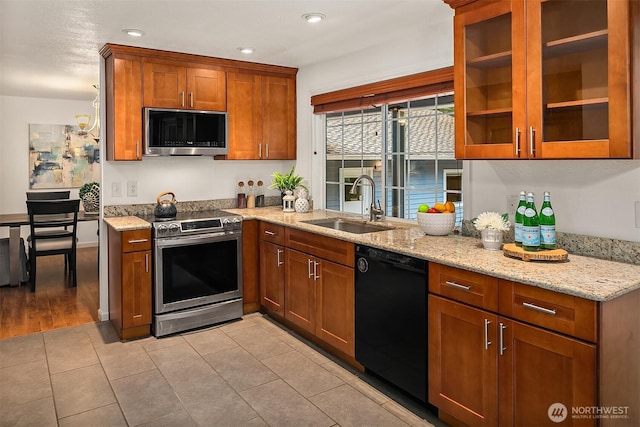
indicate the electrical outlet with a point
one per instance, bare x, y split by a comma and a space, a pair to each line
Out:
132, 188
638, 214
512, 204
116, 189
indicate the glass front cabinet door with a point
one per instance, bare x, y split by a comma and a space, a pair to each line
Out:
542, 79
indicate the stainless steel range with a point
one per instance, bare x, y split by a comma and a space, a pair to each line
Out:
197, 270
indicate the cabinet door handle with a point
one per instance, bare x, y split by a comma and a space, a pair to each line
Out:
458, 286
532, 141
502, 347
315, 271
137, 241
182, 99
260, 150
191, 99
311, 274
487, 343
269, 233
146, 262
266, 150
279, 251
517, 142
538, 308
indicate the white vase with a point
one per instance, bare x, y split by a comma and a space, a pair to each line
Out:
302, 205
491, 239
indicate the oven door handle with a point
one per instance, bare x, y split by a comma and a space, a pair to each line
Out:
196, 239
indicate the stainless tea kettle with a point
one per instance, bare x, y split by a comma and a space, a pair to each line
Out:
166, 208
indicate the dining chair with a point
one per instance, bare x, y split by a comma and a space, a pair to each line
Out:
48, 195
53, 225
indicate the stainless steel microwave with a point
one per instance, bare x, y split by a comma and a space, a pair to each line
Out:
170, 132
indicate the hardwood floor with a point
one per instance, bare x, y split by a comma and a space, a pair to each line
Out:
54, 304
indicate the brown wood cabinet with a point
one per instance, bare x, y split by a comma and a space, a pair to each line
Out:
488, 369
171, 85
123, 104
260, 99
542, 79
262, 116
272, 268
130, 303
250, 267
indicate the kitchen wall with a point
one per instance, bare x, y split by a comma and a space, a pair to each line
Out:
590, 197
15, 115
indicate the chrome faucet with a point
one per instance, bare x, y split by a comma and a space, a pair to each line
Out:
375, 212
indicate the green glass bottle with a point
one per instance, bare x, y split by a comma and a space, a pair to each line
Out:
547, 224
522, 205
531, 226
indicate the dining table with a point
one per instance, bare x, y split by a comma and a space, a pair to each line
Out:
14, 221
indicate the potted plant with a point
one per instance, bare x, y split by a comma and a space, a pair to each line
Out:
90, 195
491, 226
287, 182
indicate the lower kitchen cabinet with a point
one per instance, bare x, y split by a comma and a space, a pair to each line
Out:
250, 267
272, 262
319, 298
487, 369
130, 282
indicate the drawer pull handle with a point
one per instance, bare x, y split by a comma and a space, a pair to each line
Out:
309, 263
138, 241
538, 308
502, 347
146, 263
458, 285
269, 233
487, 343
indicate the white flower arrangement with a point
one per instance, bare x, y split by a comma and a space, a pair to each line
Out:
492, 220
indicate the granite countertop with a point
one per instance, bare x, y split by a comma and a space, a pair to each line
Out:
590, 278
126, 223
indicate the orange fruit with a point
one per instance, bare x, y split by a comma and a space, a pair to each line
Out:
439, 207
450, 207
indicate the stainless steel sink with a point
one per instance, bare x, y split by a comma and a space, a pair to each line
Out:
347, 225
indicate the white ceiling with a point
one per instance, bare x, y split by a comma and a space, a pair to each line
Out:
49, 48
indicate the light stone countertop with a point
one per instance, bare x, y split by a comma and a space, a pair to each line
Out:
590, 278
127, 223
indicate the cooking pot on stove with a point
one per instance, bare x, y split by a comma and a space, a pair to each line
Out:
166, 208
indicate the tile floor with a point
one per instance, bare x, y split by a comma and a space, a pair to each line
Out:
246, 373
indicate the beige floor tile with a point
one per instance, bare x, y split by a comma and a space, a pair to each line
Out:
240, 369
122, 359
24, 383
153, 343
180, 363
41, 413
351, 408
305, 376
180, 417
280, 405
210, 341
105, 416
80, 390
69, 349
405, 415
27, 348
260, 341
145, 397
212, 402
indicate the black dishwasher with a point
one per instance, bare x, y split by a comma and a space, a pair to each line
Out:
391, 318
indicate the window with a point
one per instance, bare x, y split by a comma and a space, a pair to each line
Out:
407, 148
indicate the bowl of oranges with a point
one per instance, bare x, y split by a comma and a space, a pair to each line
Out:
438, 220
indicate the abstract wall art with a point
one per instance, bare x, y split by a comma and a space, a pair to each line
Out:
61, 156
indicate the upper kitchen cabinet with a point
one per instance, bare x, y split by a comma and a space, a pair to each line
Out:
542, 79
188, 86
123, 103
262, 116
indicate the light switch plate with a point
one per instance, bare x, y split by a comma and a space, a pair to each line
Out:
638, 214
512, 203
116, 189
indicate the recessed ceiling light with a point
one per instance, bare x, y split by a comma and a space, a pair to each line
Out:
313, 17
133, 32
246, 50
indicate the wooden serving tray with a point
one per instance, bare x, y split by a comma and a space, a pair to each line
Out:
511, 250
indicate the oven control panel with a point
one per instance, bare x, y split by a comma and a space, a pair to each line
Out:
198, 226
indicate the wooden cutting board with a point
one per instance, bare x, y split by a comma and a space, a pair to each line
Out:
557, 255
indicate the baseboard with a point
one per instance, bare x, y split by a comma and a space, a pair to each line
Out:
103, 316
87, 245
